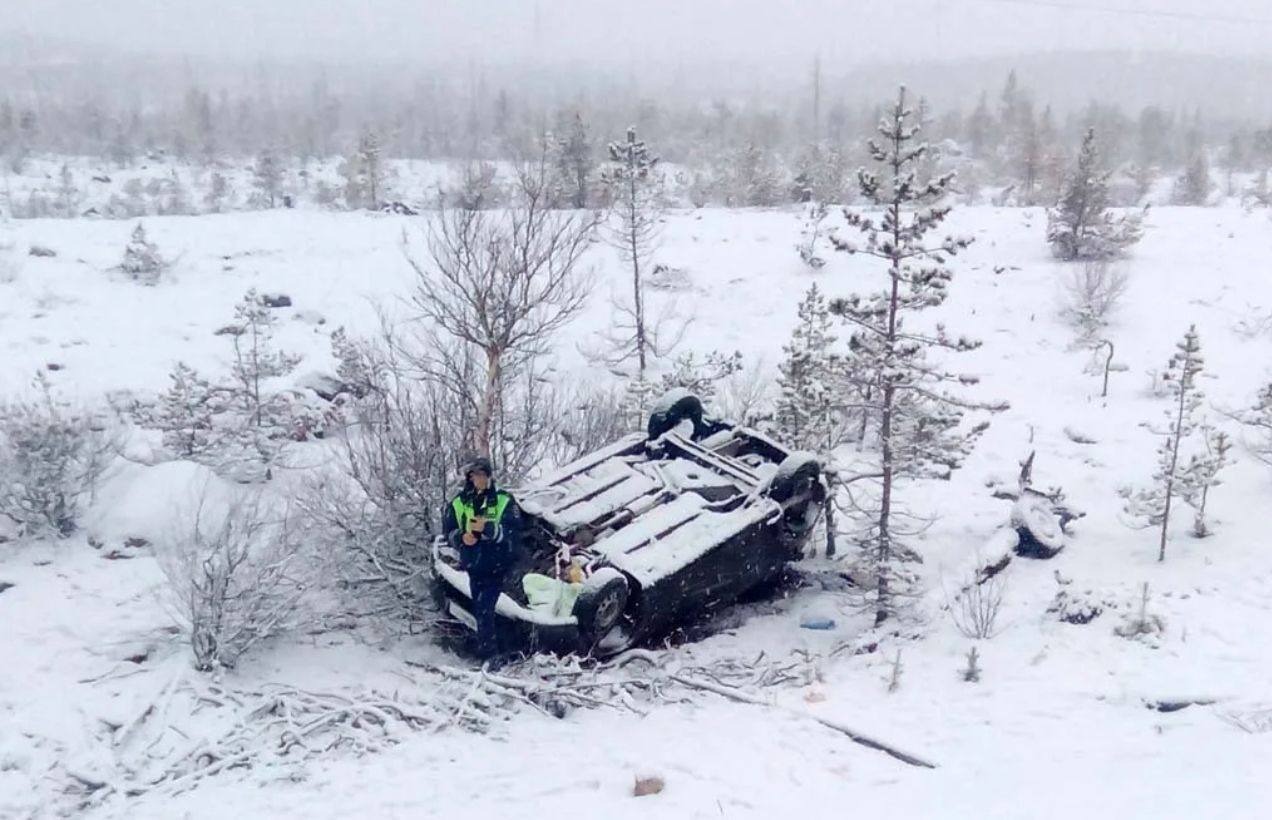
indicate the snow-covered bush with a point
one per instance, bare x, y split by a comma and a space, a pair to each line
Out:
1089, 297
593, 417
1258, 419
1079, 606
1258, 194
749, 176
51, 458
379, 502
10, 263
744, 397
478, 189
975, 608
700, 376
1140, 624
236, 575
142, 261
240, 424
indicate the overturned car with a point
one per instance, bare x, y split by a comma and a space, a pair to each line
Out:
623, 544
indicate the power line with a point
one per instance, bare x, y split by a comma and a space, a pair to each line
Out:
1190, 16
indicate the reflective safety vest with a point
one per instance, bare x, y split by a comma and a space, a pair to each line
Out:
466, 512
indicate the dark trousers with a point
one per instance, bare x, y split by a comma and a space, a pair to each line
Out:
485, 588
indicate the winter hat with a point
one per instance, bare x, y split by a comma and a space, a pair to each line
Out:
478, 464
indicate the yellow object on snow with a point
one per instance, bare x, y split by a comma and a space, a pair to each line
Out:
546, 594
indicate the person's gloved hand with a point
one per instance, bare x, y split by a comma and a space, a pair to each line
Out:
469, 539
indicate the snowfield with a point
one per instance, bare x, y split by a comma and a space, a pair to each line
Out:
1062, 724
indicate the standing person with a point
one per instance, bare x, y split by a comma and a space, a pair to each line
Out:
483, 523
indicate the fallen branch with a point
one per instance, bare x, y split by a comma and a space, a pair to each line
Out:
276, 723
853, 734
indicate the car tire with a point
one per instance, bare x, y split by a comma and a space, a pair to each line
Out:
673, 408
795, 475
600, 606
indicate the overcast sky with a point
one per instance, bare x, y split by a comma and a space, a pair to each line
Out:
628, 33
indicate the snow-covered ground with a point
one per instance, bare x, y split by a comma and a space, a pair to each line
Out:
1059, 725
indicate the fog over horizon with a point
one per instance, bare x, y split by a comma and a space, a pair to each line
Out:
776, 37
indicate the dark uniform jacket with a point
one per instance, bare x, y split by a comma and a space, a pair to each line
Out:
495, 549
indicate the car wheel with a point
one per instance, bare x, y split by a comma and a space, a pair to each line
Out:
601, 605
796, 527
673, 408
798, 473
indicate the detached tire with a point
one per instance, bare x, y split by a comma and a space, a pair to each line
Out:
673, 408
601, 604
1037, 526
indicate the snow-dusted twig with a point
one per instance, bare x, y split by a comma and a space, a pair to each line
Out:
853, 734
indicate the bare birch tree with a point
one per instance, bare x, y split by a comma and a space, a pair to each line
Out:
501, 284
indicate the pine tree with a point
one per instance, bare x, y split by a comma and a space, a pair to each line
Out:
750, 179
1193, 186
1259, 192
372, 169
135, 198
1259, 419
1051, 173
639, 393
980, 126
1010, 100
177, 202
575, 163
142, 262
1172, 480
811, 233
1082, 226
803, 181
215, 200
636, 192
185, 414
67, 193
1026, 155
267, 176
1015, 121
808, 412
265, 417
1201, 474
1154, 137
1234, 160
917, 419
363, 172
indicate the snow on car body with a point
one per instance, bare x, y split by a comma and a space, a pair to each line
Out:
687, 516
